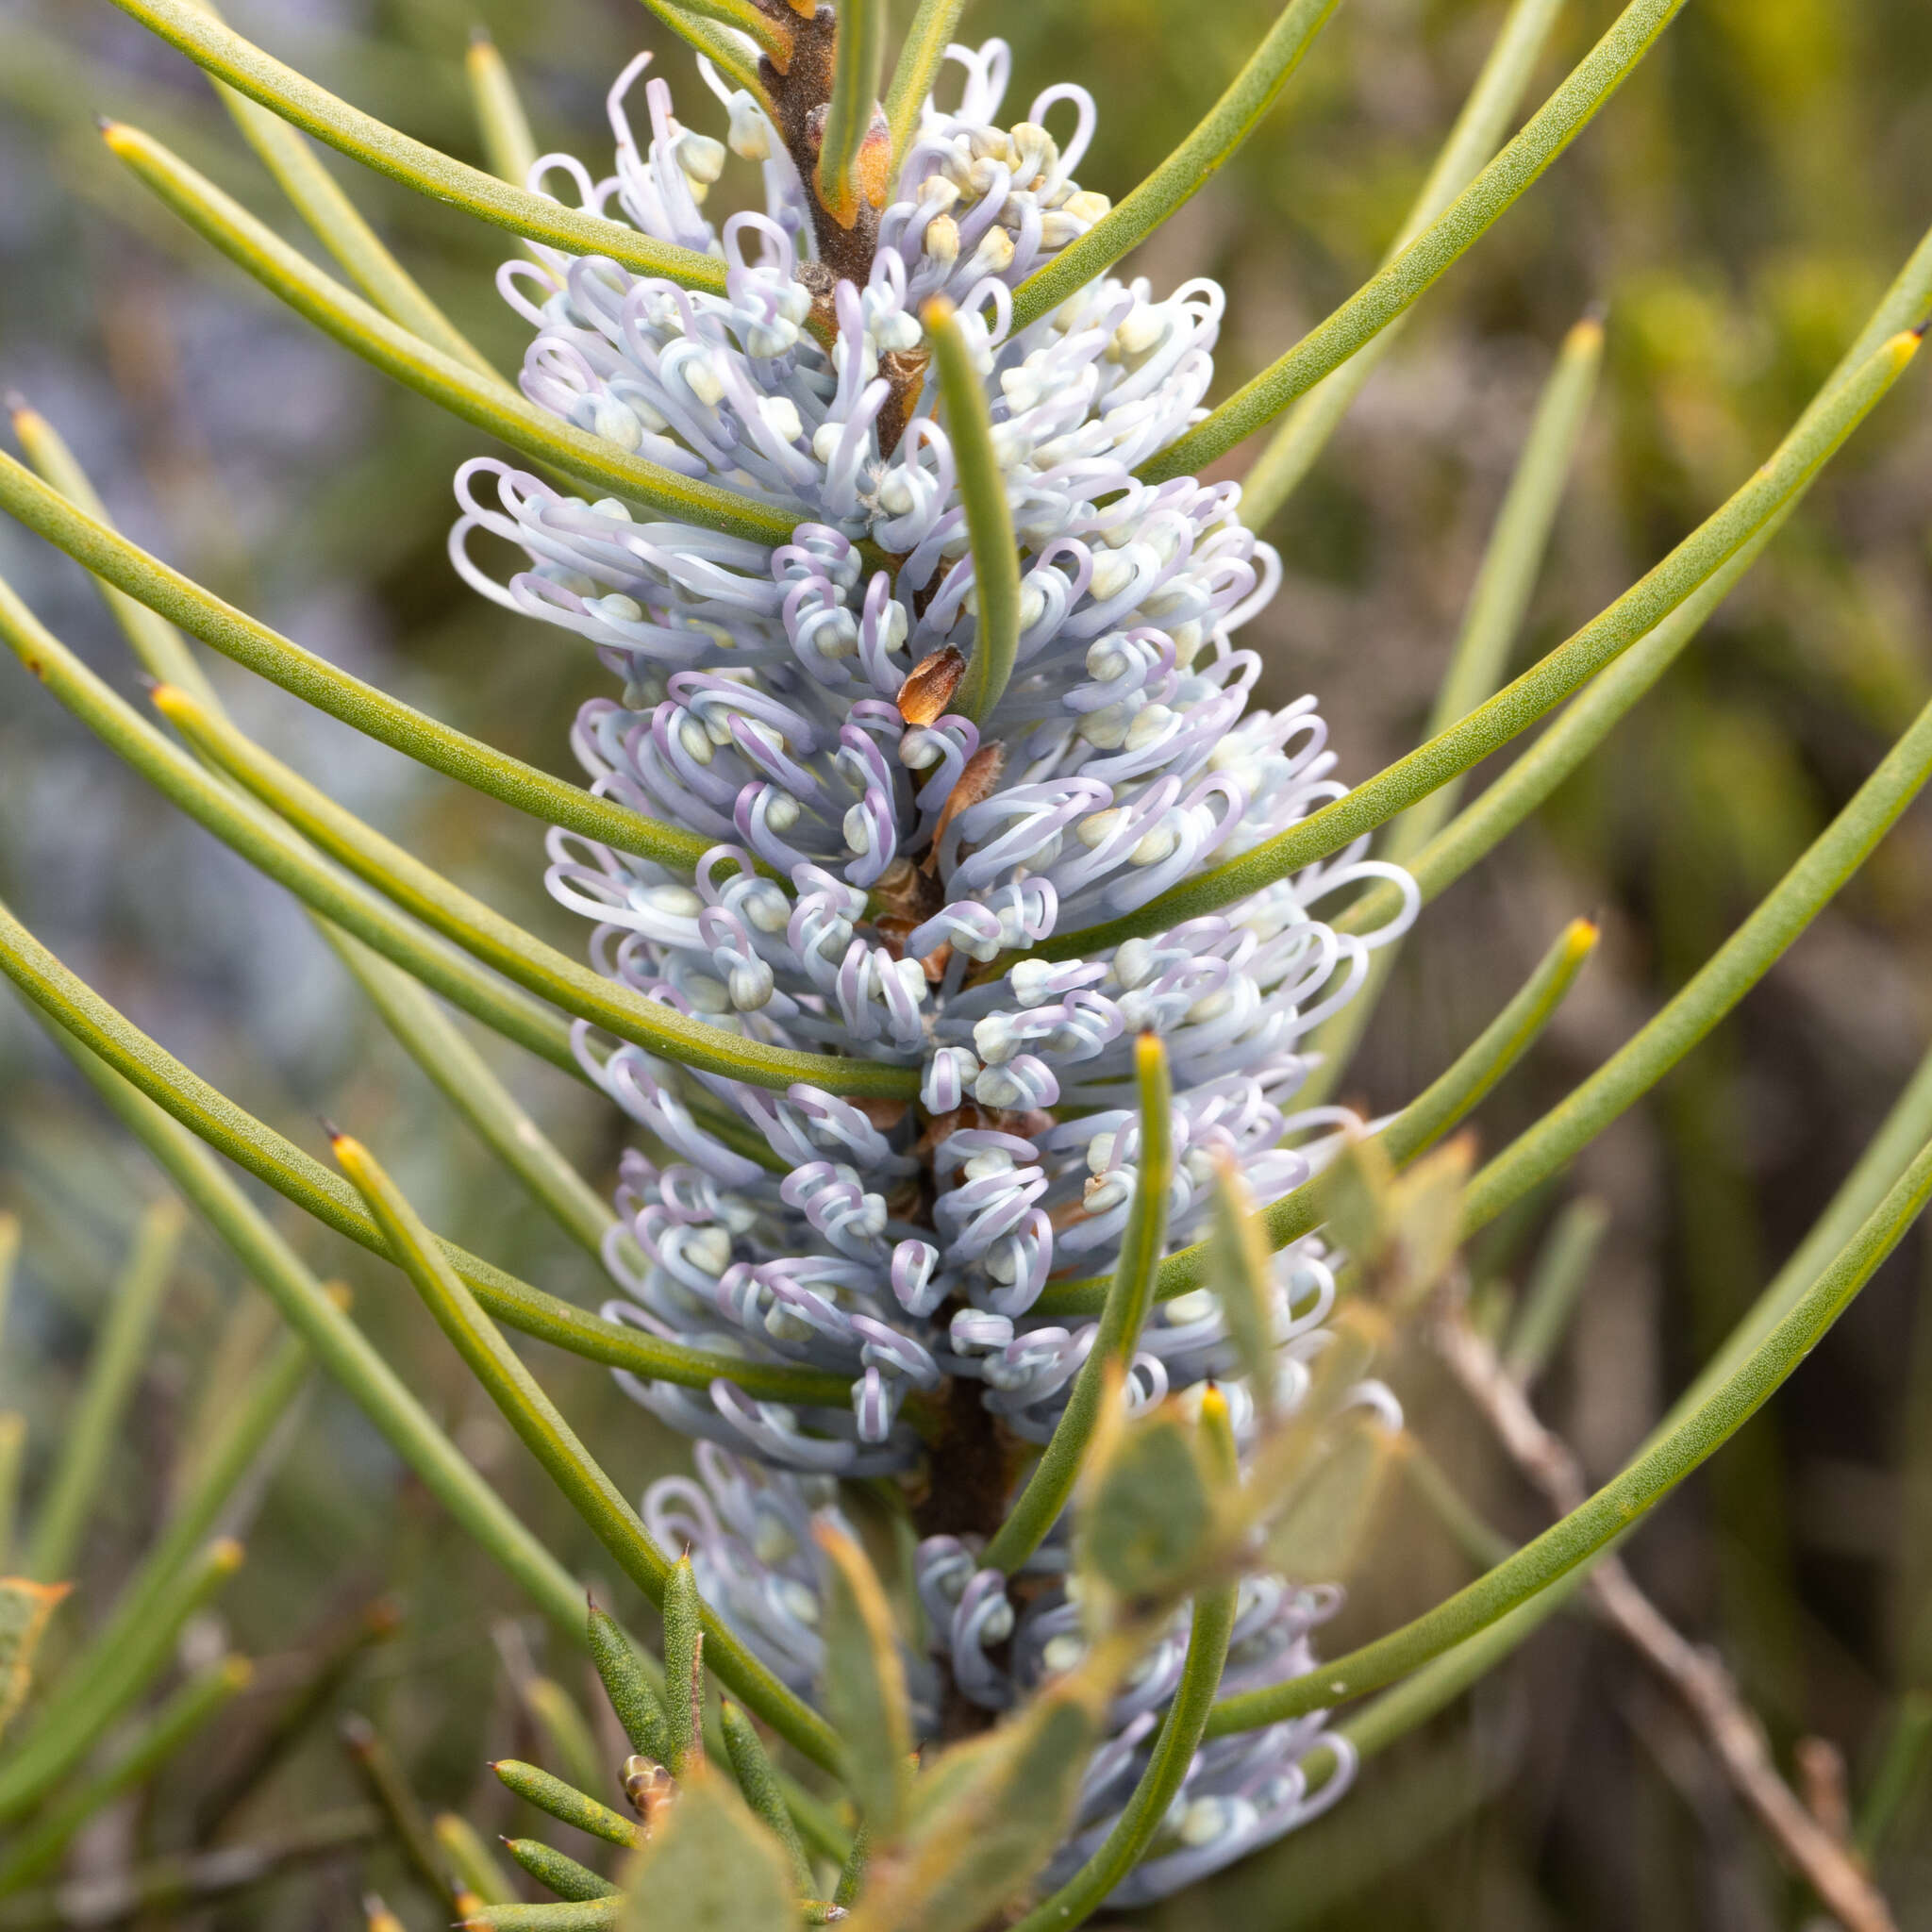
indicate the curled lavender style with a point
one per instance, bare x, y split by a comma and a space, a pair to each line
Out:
883, 864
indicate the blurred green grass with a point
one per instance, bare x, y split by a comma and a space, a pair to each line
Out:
1737, 208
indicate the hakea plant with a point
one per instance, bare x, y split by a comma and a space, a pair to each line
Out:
975, 959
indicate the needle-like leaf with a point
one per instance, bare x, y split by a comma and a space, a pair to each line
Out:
538, 1425
1184, 172
1384, 296
491, 404
1610, 1512
97, 546
501, 943
989, 517
508, 145
224, 53
1123, 1314
1811, 445
1417, 1127
77, 1009
916, 71
858, 55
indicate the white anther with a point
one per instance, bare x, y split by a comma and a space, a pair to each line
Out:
781, 413
995, 1040
750, 135
781, 814
1062, 1652
695, 740
1150, 723
618, 608
751, 987
680, 902
1113, 570
858, 829
707, 1248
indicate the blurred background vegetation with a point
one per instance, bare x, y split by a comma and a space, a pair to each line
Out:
1737, 208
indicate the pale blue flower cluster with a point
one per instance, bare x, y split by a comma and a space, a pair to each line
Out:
766, 705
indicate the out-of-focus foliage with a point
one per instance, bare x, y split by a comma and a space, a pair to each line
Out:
1737, 208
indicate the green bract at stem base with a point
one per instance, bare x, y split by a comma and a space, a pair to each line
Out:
1608, 1514
222, 52
1812, 441
73, 1005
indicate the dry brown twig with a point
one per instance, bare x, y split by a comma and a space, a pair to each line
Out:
1697, 1675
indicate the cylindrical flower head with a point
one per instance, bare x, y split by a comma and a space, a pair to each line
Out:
792, 703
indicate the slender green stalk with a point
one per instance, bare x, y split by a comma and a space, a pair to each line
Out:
451, 384
423, 892
9, 1259
989, 517
1449, 236
1492, 101
565, 1803
222, 52
917, 70
340, 1347
1724, 979
77, 1010
1483, 1544
1123, 1315
1561, 1272
1609, 1513
437, 1045
106, 1679
1812, 441
556, 1871
565, 1730
508, 145
160, 1739
475, 1866
858, 57
692, 24
524, 1405
1433, 1112
1491, 622
120, 1353
1160, 1782
334, 221
97, 546
268, 845
1185, 172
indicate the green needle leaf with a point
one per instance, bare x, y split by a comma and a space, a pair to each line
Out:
1550, 1298
13, 1457
859, 54
396, 1798
114, 1367
989, 517
153, 1747
751, 1765
103, 1682
25, 1609
228, 57
98, 547
1812, 443
592, 1915
632, 1696
77, 1011
524, 1405
1417, 1127
501, 943
475, 1866
1608, 1514
1292, 449
491, 404
684, 1657
1724, 979
700, 24
918, 69
332, 218
563, 1875
1239, 1272
1184, 172
1123, 1314
507, 143
566, 1804
1384, 296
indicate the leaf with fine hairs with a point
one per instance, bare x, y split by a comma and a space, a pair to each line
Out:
864, 1684
25, 1607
